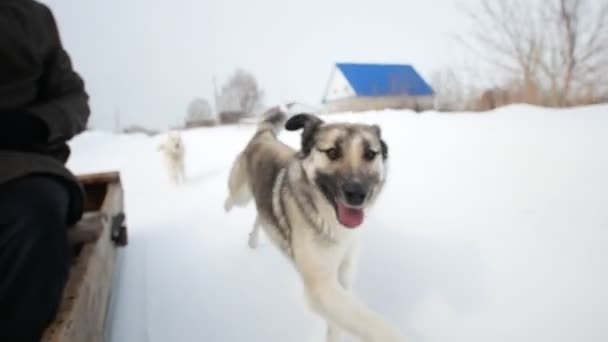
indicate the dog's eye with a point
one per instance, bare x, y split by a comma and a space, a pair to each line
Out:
369, 155
332, 153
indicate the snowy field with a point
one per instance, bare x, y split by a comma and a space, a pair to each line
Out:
492, 227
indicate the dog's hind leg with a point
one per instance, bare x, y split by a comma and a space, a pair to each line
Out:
254, 235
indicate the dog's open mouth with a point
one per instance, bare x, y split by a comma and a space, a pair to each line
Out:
348, 216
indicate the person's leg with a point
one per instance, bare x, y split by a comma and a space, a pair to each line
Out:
34, 255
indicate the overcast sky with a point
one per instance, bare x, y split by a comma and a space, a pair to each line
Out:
147, 59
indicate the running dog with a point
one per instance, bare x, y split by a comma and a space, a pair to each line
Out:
311, 202
173, 152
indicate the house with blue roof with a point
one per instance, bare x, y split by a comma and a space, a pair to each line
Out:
360, 87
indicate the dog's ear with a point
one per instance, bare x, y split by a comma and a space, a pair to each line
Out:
384, 149
310, 124
383, 145
302, 120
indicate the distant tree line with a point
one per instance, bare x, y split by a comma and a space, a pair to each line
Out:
550, 53
239, 97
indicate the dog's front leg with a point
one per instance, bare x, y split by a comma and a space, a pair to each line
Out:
348, 266
181, 173
337, 305
346, 273
333, 333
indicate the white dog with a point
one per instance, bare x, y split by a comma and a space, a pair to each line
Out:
173, 151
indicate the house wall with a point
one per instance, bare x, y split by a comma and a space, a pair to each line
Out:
358, 104
338, 87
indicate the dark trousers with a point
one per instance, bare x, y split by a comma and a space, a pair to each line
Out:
34, 255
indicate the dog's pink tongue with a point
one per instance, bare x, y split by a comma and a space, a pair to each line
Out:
349, 217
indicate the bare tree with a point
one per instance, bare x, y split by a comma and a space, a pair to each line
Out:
505, 35
199, 113
551, 46
240, 94
449, 90
578, 47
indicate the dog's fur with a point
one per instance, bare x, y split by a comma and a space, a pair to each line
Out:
173, 151
297, 195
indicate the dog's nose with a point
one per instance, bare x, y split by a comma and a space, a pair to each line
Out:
354, 193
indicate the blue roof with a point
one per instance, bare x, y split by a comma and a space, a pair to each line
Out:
384, 79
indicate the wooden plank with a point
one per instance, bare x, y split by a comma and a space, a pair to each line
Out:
113, 203
102, 278
82, 312
100, 177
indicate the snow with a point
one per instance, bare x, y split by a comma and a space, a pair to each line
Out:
492, 227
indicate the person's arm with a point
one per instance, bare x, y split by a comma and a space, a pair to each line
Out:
62, 106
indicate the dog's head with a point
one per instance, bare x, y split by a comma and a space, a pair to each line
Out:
347, 162
174, 141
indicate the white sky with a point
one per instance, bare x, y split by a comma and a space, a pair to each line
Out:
148, 59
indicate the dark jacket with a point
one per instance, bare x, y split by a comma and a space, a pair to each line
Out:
43, 103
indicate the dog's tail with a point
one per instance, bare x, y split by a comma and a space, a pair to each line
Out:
274, 118
239, 191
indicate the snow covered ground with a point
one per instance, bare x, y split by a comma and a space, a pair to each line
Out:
492, 227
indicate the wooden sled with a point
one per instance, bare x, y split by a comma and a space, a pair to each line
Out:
95, 239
